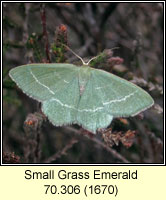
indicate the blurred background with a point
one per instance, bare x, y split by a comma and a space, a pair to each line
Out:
33, 32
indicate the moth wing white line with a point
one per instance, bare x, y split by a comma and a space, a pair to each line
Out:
120, 98
90, 109
42, 81
62, 109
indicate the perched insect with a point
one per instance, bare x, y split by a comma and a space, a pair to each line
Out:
81, 95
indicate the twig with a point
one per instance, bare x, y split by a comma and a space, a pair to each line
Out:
45, 35
62, 152
25, 24
37, 150
69, 22
107, 12
110, 150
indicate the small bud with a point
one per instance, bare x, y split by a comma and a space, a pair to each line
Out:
115, 61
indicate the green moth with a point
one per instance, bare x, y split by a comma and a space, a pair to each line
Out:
80, 95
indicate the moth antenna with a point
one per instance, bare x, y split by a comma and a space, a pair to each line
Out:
91, 60
76, 55
84, 63
99, 55
115, 48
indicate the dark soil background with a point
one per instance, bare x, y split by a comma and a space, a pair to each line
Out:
33, 32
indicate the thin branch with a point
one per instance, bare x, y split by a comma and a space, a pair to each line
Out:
69, 22
110, 150
107, 12
45, 35
100, 143
61, 152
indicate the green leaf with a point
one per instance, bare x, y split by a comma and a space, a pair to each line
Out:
80, 94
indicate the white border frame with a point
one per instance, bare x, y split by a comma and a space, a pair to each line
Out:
81, 164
